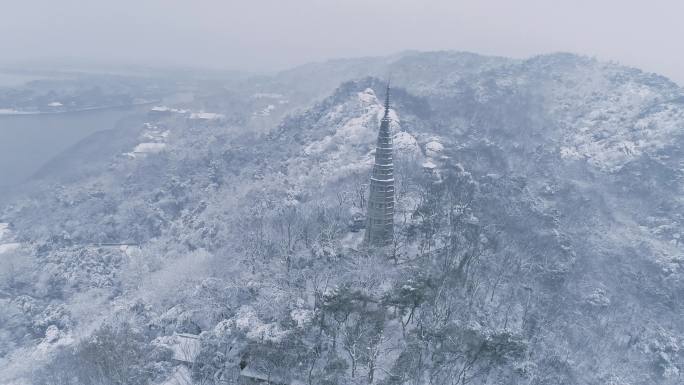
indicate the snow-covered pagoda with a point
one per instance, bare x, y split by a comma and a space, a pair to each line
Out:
380, 217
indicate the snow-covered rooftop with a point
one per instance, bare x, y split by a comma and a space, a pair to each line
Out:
4, 230
8, 247
206, 116
149, 148
11, 111
6, 243
262, 377
162, 109
429, 165
180, 376
267, 95
185, 347
266, 111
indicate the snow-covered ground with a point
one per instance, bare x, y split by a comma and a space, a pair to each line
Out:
610, 123
406, 143
434, 148
337, 138
351, 145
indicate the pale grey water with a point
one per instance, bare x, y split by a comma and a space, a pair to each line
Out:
27, 142
11, 79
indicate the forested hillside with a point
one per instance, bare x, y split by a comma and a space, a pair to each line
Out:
537, 233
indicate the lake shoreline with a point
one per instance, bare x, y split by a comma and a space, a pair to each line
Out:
29, 141
41, 113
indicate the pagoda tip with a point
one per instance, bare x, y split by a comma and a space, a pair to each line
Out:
387, 97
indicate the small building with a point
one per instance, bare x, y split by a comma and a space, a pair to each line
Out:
249, 376
180, 376
207, 116
186, 348
5, 230
161, 111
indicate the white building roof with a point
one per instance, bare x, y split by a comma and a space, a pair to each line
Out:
274, 379
429, 165
206, 116
185, 347
4, 230
7, 247
149, 148
180, 376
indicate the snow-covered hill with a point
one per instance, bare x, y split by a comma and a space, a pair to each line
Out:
538, 233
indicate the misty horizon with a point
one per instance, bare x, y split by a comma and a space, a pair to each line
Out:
66, 65
269, 36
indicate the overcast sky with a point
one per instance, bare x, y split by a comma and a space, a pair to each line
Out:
275, 34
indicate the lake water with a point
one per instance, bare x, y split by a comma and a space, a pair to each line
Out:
27, 142
8, 79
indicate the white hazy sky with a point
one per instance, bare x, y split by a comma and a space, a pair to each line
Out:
275, 34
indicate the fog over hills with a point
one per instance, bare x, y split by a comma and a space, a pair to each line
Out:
536, 241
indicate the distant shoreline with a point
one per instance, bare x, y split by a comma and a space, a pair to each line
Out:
36, 113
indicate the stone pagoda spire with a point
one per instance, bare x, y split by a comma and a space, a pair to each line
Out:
380, 217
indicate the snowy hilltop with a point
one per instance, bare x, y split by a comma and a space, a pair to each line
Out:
538, 219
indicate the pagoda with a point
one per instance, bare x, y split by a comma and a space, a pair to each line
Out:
380, 216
